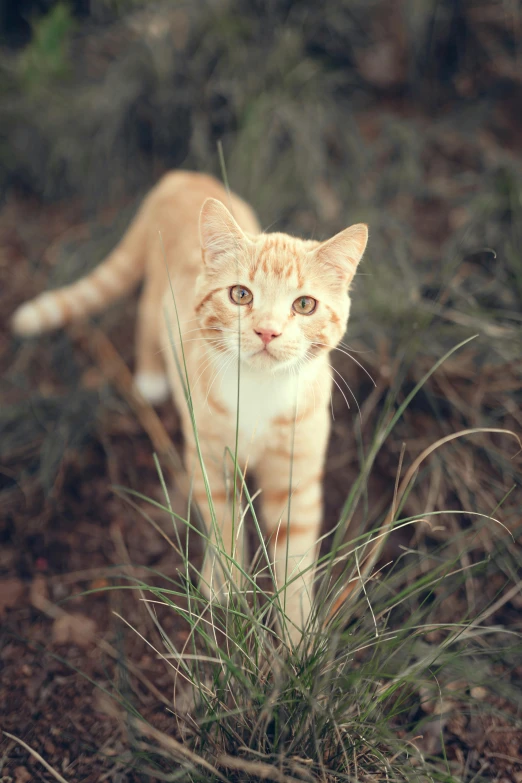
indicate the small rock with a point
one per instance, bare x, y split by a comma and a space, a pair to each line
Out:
11, 591
38, 592
478, 692
75, 628
50, 747
22, 775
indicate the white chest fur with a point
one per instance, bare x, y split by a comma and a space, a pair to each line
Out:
263, 397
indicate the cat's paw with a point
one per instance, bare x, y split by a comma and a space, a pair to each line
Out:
153, 386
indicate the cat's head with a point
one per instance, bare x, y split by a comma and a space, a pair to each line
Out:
276, 300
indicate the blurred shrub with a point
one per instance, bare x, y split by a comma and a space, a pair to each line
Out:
156, 85
47, 57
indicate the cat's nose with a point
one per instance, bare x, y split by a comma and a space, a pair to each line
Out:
266, 335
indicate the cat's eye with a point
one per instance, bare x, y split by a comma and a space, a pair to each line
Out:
304, 305
241, 295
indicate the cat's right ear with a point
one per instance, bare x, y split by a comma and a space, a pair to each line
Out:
219, 233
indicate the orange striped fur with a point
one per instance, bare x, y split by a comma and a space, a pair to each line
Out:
191, 235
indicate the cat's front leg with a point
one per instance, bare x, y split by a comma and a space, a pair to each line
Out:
290, 476
213, 492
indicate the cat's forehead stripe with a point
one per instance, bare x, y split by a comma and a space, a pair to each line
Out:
278, 258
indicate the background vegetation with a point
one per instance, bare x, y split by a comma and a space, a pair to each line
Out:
401, 113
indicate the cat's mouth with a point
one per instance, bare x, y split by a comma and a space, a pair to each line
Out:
265, 357
264, 352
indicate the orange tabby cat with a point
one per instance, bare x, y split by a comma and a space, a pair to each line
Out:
266, 307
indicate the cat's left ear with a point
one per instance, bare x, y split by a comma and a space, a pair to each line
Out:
343, 252
219, 233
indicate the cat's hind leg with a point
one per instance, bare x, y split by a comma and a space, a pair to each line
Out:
150, 378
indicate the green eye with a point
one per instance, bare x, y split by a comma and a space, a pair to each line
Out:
304, 305
240, 295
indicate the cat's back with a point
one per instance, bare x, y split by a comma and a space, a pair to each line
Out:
175, 205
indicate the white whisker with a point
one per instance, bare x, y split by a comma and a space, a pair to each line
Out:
214, 341
350, 357
208, 361
223, 369
353, 350
344, 395
347, 386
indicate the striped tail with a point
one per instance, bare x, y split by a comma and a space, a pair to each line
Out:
121, 271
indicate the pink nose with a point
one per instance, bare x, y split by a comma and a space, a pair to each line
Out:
267, 335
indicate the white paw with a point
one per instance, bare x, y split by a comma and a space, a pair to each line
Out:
153, 386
